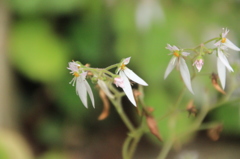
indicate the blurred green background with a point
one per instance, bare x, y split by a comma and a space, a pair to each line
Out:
40, 114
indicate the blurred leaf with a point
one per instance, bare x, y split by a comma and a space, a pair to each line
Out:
87, 34
53, 155
37, 7
37, 52
229, 116
49, 131
3, 152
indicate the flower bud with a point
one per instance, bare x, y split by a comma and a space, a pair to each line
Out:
94, 80
199, 63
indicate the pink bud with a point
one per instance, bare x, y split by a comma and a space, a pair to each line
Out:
199, 63
119, 82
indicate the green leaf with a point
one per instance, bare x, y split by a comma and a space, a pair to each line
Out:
37, 52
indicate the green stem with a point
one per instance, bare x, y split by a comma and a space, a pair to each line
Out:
211, 40
137, 136
123, 116
112, 66
126, 146
166, 148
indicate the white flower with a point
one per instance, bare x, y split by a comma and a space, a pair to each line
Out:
222, 64
198, 63
147, 12
226, 42
126, 74
82, 86
179, 62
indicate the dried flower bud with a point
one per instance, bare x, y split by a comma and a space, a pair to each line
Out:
214, 133
214, 79
191, 108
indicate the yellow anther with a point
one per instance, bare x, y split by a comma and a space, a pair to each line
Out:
122, 67
76, 74
176, 54
223, 40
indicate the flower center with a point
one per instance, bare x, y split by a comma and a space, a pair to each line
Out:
223, 40
123, 67
176, 53
76, 74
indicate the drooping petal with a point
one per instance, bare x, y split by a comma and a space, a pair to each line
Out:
185, 74
224, 60
127, 88
105, 89
170, 67
81, 91
230, 45
131, 75
90, 93
221, 72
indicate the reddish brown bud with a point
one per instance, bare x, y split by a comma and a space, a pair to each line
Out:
214, 79
214, 133
191, 108
106, 105
152, 125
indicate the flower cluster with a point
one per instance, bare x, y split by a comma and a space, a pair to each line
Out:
221, 47
104, 79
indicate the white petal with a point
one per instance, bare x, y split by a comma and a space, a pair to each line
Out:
127, 88
230, 45
170, 67
185, 74
131, 75
90, 93
185, 53
81, 91
221, 72
126, 60
224, 60
105, 89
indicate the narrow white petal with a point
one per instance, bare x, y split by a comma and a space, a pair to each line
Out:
90, 93
170, 67
127, 88
230, 45
185, 53
221, 72
218, 43
131, 75
105, 89
185, 74
126, 60
81, 91
224, 60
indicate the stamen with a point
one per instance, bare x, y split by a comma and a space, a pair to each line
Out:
122, 67
223, 40
76, 74
176, 54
